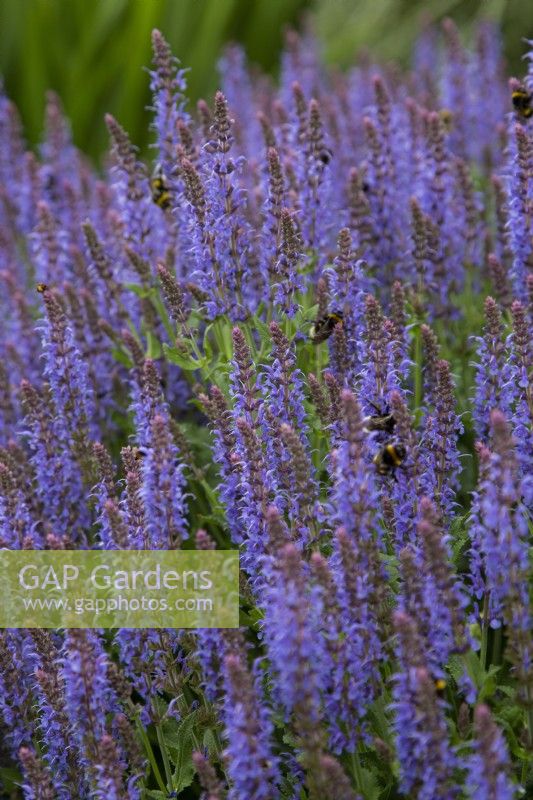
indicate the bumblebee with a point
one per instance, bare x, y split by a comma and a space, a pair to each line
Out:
324, 326
389, 458
160, 189
446, 117
440, 687
325, 155
380, 422
522, 102
42, 288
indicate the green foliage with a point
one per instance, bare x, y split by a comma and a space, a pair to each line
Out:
9, 779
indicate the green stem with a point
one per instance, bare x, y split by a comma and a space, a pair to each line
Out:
523, 776
529, 726
319, 435
530, 722
356, 771
150, 754
318, 362
418, 374
196, 350
164, 753
165, 319
222, 333
484, 631
286, 326
497, 646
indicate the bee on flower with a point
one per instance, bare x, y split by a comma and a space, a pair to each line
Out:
521, 99
380, 421
160, 189
324, 326
389, 458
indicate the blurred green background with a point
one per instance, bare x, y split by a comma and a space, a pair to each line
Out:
92, 51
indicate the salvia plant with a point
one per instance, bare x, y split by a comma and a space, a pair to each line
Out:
303, 331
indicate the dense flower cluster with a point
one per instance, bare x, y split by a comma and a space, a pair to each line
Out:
295, 339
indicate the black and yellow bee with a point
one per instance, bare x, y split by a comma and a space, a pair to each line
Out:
446, 117
389, 458
380, 421
325, 155
324, 326
440, 687
159, 188
42, 288
522, 102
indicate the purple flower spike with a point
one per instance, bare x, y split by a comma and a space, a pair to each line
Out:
519, 193
500, 521
443, 467
168, 86
226, 457
493, 389
15, 698
65, 370
289, 257
38, 782
208, 777
89, 696
427, 761
225, 244
443, 597
292, 643
131, 189
162, 489
488, 767
252, 767
355, 495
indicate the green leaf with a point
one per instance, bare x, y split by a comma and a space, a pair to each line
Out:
256, 615
306, 315
263, 330
508, 691
160, 307
379, 717
508, 720
456, 668
122, 357
288, 737
139, 290
212, 497
488, 688
187, 362
370, 788
9, 778
213, 369
207, 348
153, 349
181, 745
245, 621
475, 670
210, 742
